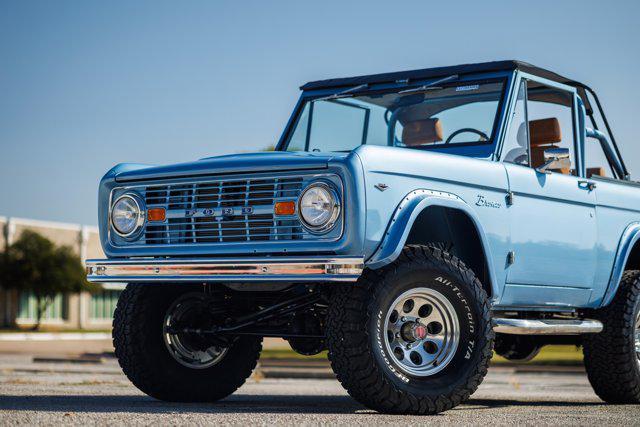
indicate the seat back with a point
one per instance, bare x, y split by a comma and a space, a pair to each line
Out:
544, 134
596, 171
421, 132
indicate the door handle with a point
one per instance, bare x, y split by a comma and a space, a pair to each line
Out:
587, 185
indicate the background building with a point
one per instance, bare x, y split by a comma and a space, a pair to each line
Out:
71, 311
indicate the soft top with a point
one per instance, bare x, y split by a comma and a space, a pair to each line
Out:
428, 73
482, 67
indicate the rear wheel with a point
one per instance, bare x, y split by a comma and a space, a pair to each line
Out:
413, 338
612, 357
176, 366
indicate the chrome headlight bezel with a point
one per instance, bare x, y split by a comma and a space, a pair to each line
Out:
335, 209
140, 221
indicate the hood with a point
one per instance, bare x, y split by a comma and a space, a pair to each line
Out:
230, 164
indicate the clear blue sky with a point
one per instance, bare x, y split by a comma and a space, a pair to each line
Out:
86, 84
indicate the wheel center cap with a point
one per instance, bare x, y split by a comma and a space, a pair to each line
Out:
419, 332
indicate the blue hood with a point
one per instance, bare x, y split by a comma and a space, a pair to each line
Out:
234, 163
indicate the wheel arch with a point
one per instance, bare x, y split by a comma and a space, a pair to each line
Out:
627, 258
427, 216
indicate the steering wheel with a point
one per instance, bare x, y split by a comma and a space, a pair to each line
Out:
483, 135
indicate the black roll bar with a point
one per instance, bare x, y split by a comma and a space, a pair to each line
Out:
625, 171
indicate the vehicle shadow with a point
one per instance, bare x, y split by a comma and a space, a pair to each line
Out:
504, 403
277, 404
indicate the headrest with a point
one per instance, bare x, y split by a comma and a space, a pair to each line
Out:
422, 132
545, 132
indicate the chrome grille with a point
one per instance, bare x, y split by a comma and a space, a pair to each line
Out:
238, 210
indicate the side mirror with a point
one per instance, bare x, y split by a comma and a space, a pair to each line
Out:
555, 158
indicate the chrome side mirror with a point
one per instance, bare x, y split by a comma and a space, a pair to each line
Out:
555, 158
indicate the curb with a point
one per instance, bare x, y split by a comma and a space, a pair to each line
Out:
290, 369
315, 373
55, 336
72, 360
293, 374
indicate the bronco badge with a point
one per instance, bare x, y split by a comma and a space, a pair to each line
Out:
482, 201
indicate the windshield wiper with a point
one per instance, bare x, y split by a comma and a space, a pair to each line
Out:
344, 94
431, 86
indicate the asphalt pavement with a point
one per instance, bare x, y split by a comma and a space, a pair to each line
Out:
79, 393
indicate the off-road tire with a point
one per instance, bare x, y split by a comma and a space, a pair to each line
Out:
360, 362
610, 356
145, 360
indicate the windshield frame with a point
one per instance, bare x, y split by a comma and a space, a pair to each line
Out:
506, 78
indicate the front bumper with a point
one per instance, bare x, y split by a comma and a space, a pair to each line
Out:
276, 269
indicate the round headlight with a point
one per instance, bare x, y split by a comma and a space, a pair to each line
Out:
126, 215
319, 207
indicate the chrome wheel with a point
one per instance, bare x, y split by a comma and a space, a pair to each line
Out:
421, 332
190, 350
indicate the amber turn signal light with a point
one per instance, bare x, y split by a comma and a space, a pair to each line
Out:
284, 208
156, 214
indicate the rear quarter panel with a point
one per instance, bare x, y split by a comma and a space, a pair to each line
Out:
618, 207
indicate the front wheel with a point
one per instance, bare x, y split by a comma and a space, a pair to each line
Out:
413, 338
177, 366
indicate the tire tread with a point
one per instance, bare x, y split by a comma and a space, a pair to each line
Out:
135, 309
356, 368
609, 356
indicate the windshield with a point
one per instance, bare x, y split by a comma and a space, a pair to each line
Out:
440, 117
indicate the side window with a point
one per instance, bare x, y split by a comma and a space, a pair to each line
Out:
550, 115
595, 160
516, 145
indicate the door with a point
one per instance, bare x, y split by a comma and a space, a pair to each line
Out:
553, 224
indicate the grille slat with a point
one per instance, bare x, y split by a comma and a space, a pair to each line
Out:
223, 211
213, 222
240, 236
258, 227
172, 201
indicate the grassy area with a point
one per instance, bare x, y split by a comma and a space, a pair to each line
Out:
285, 353
566, 355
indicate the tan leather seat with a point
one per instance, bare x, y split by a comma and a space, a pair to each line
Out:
421, 132
596, 171
544, 134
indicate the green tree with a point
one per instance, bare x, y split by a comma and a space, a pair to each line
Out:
34, 264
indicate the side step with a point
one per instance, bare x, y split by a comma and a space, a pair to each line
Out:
546, 326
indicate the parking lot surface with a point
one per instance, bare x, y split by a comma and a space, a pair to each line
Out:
66, 393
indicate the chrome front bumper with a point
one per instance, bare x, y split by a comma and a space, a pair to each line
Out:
276, 269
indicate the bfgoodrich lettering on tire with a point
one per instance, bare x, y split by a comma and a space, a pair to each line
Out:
414, 337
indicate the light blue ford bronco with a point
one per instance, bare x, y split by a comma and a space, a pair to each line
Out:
410, 223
